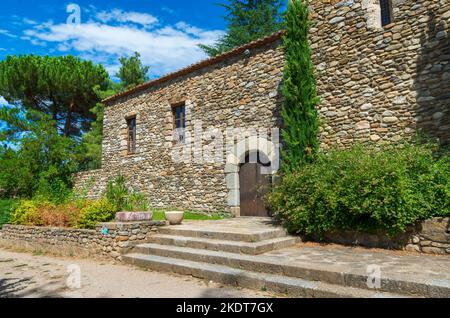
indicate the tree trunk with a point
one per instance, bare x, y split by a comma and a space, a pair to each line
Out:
68, 124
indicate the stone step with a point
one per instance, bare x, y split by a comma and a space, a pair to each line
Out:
261, 264
225, 234
225, 246
295, 287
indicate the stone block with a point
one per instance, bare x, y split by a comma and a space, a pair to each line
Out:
234, 198
232, 180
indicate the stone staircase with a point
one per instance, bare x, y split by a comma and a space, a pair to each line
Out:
232, 252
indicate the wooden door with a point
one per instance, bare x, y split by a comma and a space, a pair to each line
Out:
254, 186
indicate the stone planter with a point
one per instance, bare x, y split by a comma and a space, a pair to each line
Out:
134, 216
174, 217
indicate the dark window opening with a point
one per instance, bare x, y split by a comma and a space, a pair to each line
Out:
131, 123
179, 116
386, 12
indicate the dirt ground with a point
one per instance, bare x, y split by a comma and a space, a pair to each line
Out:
34, 276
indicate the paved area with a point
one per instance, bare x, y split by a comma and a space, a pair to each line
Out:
393, 264
31, 276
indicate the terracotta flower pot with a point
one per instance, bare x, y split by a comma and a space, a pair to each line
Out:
174, 217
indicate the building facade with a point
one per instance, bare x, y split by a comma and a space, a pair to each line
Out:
383, 75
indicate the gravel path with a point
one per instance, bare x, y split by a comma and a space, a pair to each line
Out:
31, 276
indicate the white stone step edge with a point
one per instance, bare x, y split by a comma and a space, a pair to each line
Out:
295, 287
225, 234
255, 263
225, 245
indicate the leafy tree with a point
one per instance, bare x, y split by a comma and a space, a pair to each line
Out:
43, 163
89, 153
61, 87
301, 120
247, 20
132, 72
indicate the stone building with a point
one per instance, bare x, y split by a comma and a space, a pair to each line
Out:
383, 74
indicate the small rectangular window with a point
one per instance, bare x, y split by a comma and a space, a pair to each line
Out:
386, 12
131, 123
179, 117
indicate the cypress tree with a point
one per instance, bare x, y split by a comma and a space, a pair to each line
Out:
300, 117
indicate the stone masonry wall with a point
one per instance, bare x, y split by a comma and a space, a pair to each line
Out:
377, 84
120, 238
240, 92
428, 237
382, 84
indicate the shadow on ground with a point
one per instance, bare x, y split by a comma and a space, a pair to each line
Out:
20, 288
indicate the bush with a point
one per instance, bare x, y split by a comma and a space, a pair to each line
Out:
27, 212
118, 194
96, 212
63, 215
364, 189
43, 213
6, 206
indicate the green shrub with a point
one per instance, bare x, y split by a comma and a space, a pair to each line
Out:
96, 212
364, 189
27, 212
136, 202
6, 207
118, 194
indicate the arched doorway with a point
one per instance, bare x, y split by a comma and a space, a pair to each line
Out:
254, 185
236, 160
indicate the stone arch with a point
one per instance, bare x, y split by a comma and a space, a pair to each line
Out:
237, 157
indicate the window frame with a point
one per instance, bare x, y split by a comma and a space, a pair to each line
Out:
386, 13
131, 135
179, 119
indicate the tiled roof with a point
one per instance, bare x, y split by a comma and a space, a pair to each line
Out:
194, 67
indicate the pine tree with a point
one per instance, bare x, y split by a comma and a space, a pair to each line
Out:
132, 72
247, 20
62, 87
301, 120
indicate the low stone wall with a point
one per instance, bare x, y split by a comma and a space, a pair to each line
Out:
429, 237
109, 240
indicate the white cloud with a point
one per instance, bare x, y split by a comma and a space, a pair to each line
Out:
29, 21
163, 48
121, 16
7, 33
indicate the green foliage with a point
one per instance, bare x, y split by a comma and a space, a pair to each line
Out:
247, 20
6, 207
96, 212
27, 213
136, 202
62, 87
364, 189
126, 201
132, 72
117, 192
42, 165
89, 152
300, 117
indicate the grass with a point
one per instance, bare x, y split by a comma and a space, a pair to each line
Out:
5, 210
193, 216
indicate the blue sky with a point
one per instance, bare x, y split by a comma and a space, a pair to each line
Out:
166, 33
